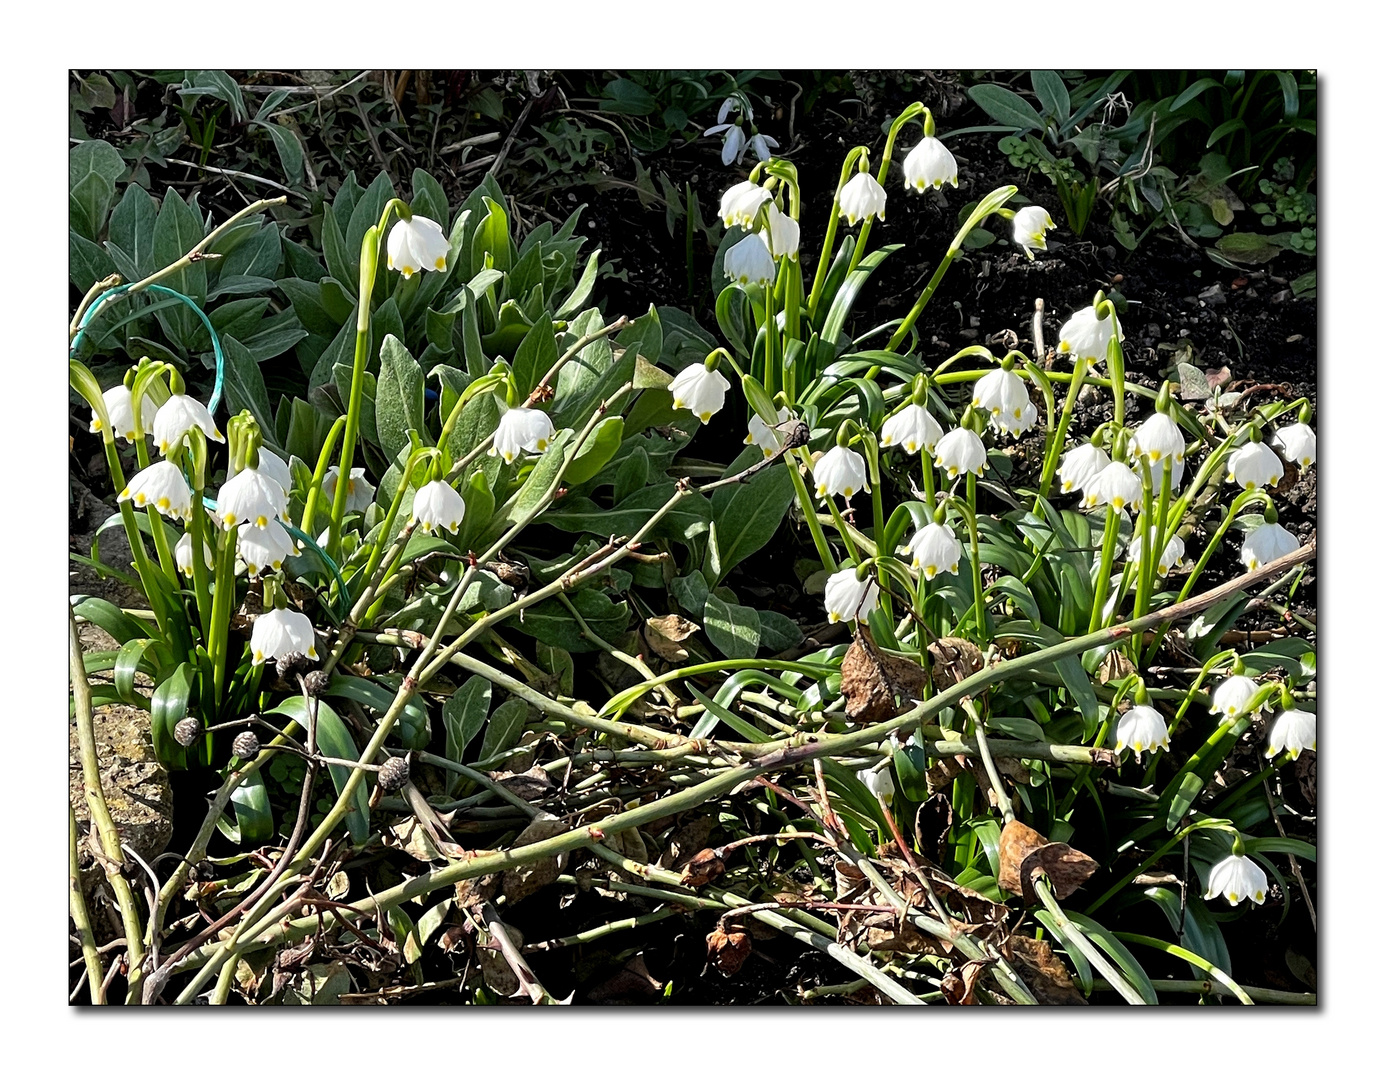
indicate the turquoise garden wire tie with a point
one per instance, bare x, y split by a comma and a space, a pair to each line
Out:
339, 607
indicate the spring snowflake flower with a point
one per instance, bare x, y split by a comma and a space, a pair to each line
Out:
1080, 464
862, 198
1267, 543
1157, 438
1114, 486
1000, 391
878, 781
913, 429
360, 492
1014, 422
1233, 696
1293, 730
275, 467
959, 451
840, 471
1142, 728
766, 439
417, 244
162, 486
251, 496
1030, 229
1155, 468
749, 262
934, 550
120, 410
179, 415
279, 633
741, 203
183, 554
1297, 443
1253, 466
1237, 877
1086, 335
521, 429
1164, 561
263, 548
437, 506
699, 389
843, 591
783, 233
929, 163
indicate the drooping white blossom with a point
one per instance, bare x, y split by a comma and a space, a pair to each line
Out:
437, 506
162, 486
415, 245
263, 548
878, 781
1030, 229
1265, 544
1294, 730
699, 389
1079, 465
280, 632
749, 262
840, 471
120, 411
1114, 486
179, 415
1237, 878
783, 234
1164, 561
929, 163
741, 203
251, 496
521, 430
1086, 335
847, 598
1298, 444
1230, 699
1141, 728
1253, 466
765, 438
934, 550
861, 198
913, 428
961, 451
360, 492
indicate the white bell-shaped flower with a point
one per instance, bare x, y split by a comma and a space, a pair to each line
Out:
762, 145
749, 262
861, 198
263, 548
913, 428
275, 467
878, 781
183, 554
783, 235
278, 633
1141, 728
179, 415
699, 389
1237, 877
1086, 336
162, 486
415, 245
840, 471
1079, 465
1157, 438
523, 429
437, 506
120, 411
360, 492
734, 142
1000, 391
934, 550
1012, 423
1298, 444
1114, 486
1164, 561
1269, 542
741, 203
1253, 466
961, 451
1293, 730
847, 598
929, 163
251, 496
1030, 229
766, 439
1233, 696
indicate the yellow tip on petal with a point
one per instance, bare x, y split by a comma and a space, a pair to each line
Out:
439, 264
261, 521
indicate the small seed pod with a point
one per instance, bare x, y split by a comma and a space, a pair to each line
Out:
394, 774
316, 683
187, 730
246, 745
291, 664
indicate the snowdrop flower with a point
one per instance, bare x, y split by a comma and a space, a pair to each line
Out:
1000, 391
1165, 560
843, 591
437, 506
1142, 728
749, 262
913, 429
960, 450
741, 203
1265, 544
1114, 486
1157, 438
162, 486
279, 633
929, 162
1237, 877
783, 233
1296, 442
1293, 730
1030, 228
251, 496
275, 467
878, 781
699, 389
1080, 464
1086, 335
522, 429
183, 554
762, 145
862, 198
417, 244
1254, 465
767, 440
934, 550
179, 415
360, 493
840, 471
1233, 696
263, 548
120, 411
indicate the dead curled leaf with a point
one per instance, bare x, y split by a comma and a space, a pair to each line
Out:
1025, 853
728, 949
703, 867
876, 685
953, 659
1045, 975
664, 633
958, 984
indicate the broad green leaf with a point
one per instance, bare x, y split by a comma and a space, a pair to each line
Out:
746, 516
551, 622
535, 356
689, 517
596, 451
334, 740
400, 398
177, 230
464, 715
245, 386
777, 632
168, 706
287, 147
255, 819
1006, 107
733, 629
504, 727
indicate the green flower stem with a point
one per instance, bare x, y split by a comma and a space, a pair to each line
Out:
976, 570
1107, 560
1191, 958
828, 244
771, 383
1206, 988
1059, 435
876, 495
634, 662
1080, 941
844, 530
224, 592
311, 497
808, 511
77, 907
161, 544
1001, 793
928, 479
1144, 583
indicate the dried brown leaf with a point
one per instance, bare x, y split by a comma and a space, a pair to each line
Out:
664, 633
727, 950
1045, 975
522, 881
1025, 853
703, 867
876, 685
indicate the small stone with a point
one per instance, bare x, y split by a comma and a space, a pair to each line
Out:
394, 774
246, 745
